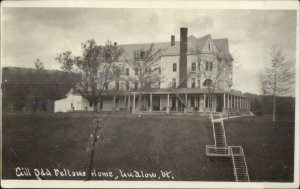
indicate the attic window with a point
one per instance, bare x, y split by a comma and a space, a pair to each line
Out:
209, 46
142, 54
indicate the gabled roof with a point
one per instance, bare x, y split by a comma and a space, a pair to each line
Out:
201, 42
193, 43
223, 48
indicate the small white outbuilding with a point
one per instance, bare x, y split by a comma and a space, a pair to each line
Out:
72, 102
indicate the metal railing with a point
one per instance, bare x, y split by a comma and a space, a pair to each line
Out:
212, 150
238, 151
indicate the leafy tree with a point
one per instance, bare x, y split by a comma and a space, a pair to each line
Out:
39, 90
95, 65
278, 77
145, 64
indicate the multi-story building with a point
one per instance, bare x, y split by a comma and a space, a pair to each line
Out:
196, 76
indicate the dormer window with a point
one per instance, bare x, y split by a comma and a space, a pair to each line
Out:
142, 54
139, 54
136, 54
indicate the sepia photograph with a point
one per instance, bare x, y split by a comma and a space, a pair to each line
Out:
174, 95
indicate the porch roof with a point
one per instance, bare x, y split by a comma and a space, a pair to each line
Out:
185, 91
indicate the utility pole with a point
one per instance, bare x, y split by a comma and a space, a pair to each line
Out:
95, 140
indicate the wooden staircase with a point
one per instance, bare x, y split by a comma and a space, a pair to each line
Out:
221, 149
178, 96
220, 139
239, 164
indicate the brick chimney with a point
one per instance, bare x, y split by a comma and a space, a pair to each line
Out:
172, 40
183, 58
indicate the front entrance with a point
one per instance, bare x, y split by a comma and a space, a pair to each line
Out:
220, 103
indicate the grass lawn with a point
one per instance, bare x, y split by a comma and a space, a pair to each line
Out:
148, 144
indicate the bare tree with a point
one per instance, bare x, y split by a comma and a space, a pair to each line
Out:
145, 64
278, 78
213, 72
95, 65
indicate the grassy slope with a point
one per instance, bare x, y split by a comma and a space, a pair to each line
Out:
177, 144
268, 146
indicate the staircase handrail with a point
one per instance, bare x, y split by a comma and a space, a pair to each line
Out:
245, 164
224, 134
234, 167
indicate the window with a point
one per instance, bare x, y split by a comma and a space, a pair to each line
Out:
107, 57
207, 83
136, 54
198, 83
106, 86
136, 71
192, 101
193, 83
147, 70
136, 85
117, 85
127, 85
211, 66
142, 54
174, 67
174, 83
199, 66
206, 66
127, 71
193, 66
209, 46
208, 102
91, 103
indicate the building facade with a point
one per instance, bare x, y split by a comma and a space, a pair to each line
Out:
196, 77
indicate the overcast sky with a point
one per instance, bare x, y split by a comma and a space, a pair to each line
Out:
31, 33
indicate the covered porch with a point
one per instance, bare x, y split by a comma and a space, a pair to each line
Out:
186, 101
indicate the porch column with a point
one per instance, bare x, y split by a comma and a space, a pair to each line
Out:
150, 108
186, 104
114, 103
240, 102
228, 104
128, 106
234, 104
224, 100
133, 104
249, 105
204, 101
168, 103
